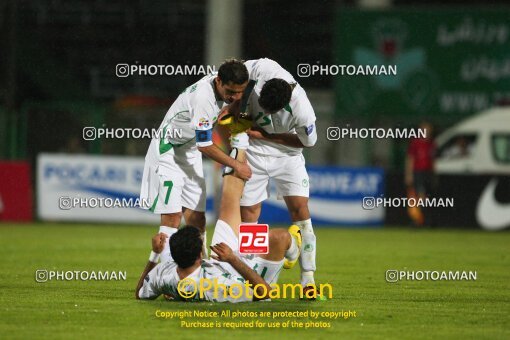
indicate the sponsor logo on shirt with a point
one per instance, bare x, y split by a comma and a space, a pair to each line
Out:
309, 129
203, 123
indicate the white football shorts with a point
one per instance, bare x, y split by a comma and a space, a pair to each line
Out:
168, 190
268, 270
288, 173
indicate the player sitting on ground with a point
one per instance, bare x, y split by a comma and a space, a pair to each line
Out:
226, 266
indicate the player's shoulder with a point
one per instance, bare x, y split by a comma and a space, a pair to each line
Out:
260, 64
202, 92
264, 69
300, 106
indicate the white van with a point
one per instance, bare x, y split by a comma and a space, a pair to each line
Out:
478, 145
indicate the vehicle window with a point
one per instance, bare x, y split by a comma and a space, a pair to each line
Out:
458, 146
501, 147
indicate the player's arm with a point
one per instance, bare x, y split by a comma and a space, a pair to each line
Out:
203, 125
158, 243
215, 153
304, 137
288, 139
224, 253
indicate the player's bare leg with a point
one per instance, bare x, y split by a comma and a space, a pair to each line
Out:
251, 214
197, 219
281, 244
298, 209
232, 191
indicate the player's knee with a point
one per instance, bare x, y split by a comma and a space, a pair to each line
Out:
250, 213
278, 237
299, 212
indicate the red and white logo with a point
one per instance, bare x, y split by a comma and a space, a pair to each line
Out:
254, 239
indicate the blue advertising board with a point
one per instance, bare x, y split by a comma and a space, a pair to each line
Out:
336, 198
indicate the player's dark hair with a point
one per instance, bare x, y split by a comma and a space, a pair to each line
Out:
186, 246
233, 70
275, 94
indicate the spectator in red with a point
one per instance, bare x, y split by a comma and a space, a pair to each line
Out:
419, 171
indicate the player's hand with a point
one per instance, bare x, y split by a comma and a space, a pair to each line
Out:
243, 170
158, 242
235, 108
256, 133
223, 252
231, 110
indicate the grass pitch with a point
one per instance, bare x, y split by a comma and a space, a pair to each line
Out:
354, 262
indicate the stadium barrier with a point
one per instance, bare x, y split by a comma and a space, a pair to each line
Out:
106, 189
15, 192
96, 189
485, 205
336, 197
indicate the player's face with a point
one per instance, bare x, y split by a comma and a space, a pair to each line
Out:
230, 92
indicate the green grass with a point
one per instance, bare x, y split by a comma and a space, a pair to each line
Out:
353, 261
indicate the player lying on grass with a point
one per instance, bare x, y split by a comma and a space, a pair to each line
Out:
227, 266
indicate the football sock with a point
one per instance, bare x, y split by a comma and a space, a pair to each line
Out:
293, 252
169, 231
307, 278
308, 251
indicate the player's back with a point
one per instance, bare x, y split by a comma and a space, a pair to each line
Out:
264, 69
298, 114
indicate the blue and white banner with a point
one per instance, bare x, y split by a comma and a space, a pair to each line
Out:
96, 189
336, 198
